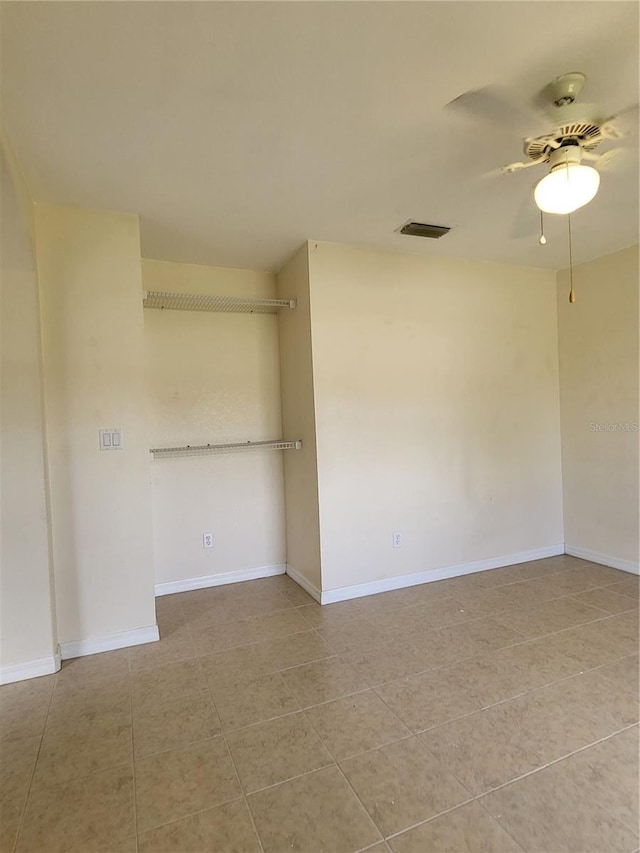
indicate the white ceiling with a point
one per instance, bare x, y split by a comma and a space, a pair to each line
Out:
239, 130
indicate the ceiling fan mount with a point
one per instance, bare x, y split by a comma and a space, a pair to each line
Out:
578, 125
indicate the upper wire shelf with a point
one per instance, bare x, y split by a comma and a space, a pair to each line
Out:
202, 302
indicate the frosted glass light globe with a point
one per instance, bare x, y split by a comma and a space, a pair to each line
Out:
567, 187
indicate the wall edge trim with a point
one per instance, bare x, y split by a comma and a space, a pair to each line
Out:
110, 642
604, 559
306, 585
205, 581
30, 669
416, 578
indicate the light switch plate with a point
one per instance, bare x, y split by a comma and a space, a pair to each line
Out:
110, 439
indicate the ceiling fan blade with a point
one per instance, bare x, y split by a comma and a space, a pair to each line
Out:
625, 121
497, 105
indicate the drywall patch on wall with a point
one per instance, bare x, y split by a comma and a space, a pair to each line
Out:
213, 378
598, 351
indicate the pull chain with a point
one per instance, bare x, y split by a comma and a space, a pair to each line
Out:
572, 296
542, 239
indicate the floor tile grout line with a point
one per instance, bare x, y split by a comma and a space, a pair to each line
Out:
133, 756
27, 796
505, 700
479, 797
342, 773
237, 773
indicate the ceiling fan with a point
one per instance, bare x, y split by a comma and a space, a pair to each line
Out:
577, 129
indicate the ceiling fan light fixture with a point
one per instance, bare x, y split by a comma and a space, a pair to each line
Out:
567, 187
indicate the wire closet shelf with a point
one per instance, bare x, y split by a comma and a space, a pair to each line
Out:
202, 302
209, 449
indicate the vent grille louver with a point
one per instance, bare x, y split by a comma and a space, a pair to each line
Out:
419, 229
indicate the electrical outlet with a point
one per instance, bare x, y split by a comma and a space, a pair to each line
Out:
397, 539
207, 540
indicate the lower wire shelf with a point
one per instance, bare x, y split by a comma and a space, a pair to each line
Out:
208, 449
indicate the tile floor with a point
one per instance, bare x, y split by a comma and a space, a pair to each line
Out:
494, 712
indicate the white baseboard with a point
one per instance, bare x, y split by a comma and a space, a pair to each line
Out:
304, 583
121, 640
205, 581
604, 559
386, 584
30, 669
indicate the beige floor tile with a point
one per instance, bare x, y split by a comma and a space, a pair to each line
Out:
356, 724
629, 586
89, 704
486, 634
169, 613
91, 814
17, 760
358, 635
599, 575
605, 599
254, 702
280, 749
30, 693
550, 616
10, 815
173, 785
317, 812
93, 669
296, 595
204, 611
24, 706
427, 700
623, 630
586, 646
336, 615
227, 828
270, 626
220, 638
467, 829
234, 666
322, 681
15, 724
500, 743
386, 663
441, 613
153, 686
295, 649
619, 633
585, 803
173, 646
623, 673
77, 749
174, 722
254, 602
402, 784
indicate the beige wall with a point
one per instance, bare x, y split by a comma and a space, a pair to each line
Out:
27, 632
213, 378
437, 410
598, 346
298, 419
92, 337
